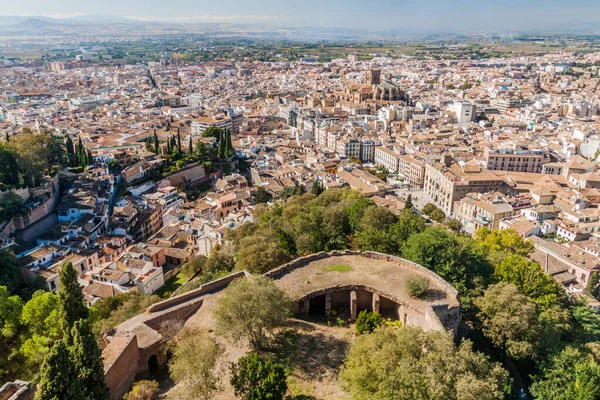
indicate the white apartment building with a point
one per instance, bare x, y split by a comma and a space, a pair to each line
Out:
465, 112
367, 150
350, 147
514, 160
387, 158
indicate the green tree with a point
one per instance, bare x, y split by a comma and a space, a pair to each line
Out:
257, 378
10, 274
379, 218
59, 378
317, 188
194, 266
71, 307
190, 146
40, 317
502, 243
212, 131
408, 205
221, 145
531, 280
593, 286
86, 356
70, 150
454, 225
586, 324
510, 320
220, 260
32, 156
409, 223
452, 257
260, 253
156, 144
407, 363
357, 210
286, 242
570, 375
178, 141
261, 195
429, 208
194, 366
288, 192
9, 170
366, 322
10, 327
250, 308
438, 215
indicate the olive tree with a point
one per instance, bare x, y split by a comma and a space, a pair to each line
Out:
250, 308
194, 366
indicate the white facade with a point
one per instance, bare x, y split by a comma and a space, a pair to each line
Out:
465, 112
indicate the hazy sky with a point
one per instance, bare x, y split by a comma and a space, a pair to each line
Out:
368, 14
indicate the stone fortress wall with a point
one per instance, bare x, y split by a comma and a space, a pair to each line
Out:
376, 283
440, 315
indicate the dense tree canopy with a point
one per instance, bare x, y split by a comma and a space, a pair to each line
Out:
571, 375
407, 363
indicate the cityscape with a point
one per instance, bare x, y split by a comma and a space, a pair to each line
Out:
256, 201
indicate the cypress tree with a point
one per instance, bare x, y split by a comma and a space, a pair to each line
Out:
178, 141
70, 300
408, 204
229, 152
317, 188
156, 145
90, 157
70, 150
190, 145
87, 358
168, 147
58, 376
7, 137
80, 152
221, 145
173, 143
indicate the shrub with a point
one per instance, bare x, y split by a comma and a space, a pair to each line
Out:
255, 378
417, 286
366, 322
143, 390
438, 215
428, 208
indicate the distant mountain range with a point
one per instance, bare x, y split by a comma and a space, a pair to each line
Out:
109, 25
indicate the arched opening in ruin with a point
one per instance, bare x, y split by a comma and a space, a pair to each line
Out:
389, 308
364, 301
317, 306
348, 302
153, 364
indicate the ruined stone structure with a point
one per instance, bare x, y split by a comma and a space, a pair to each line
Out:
345, 281
17, 390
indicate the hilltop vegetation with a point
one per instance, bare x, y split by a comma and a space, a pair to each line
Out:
513, 310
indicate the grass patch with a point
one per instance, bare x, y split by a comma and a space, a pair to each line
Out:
338, 268
171, 285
